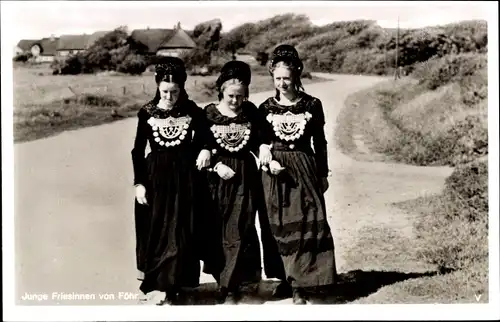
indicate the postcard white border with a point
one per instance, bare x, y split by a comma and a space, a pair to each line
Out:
243, 312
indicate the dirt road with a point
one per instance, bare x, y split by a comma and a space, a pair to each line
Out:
74, 205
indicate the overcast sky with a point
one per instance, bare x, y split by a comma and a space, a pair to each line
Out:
37, 19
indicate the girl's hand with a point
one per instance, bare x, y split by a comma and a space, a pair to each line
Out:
324, 184
224, 171
265, 155
203, 159
275, 167
140, 194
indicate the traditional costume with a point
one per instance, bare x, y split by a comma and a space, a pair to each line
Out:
294, 198
165, 227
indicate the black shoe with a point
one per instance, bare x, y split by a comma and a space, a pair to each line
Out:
168, 300
282, 291
182, 298
298, 297
231, 299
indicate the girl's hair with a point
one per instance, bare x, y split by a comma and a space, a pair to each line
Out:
172, 70
296, 72
183, 95
233, 81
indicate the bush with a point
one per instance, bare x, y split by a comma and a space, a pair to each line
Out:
454, 235
262, 58
92, 100
133, 64
198, 57
440, 71
73, 65
23, 57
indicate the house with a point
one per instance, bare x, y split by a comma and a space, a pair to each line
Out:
164, 42
25, 46
161, 42
73, 44
43, 50
48, 49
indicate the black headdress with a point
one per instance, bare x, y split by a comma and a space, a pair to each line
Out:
172, 66
234, 69
287, 54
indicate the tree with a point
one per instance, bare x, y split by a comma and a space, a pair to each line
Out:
262, 58
206, 35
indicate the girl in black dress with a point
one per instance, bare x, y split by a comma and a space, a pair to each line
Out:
164, 184
233, 181
296, 178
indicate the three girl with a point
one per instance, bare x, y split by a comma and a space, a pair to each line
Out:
233, 141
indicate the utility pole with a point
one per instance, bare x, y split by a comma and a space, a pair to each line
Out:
385, 57
396, 75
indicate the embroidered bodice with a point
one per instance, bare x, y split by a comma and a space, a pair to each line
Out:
292, 128
232, 134
167, 128
168, 131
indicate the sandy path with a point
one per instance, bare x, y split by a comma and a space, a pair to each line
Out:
74, 204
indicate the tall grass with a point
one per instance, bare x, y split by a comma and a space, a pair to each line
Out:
438, 116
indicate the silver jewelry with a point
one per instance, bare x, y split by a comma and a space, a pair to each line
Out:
232, 137
289, 126
170, 131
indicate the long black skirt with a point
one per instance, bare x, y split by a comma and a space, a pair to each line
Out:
166, 240
234, 255
297, 216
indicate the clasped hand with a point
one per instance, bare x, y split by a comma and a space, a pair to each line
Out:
224, 171
203, 159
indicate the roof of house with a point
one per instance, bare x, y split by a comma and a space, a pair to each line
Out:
72, 42
91, 39
79, 42
179, 39
26, 44
49, 46
151, 38
156, 39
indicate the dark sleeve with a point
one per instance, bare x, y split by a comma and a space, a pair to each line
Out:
203, 137
141, 140
201, 129
265, 131
319, 139
254, 117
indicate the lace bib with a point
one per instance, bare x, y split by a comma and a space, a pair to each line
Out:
232, 137
169, 131
289, 126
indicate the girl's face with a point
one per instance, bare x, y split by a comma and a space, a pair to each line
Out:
233, 95
283, 79
169, 93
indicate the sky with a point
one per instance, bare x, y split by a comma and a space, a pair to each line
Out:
38, 19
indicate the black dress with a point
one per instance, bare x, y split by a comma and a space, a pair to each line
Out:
235, 250
165, 228
294, 198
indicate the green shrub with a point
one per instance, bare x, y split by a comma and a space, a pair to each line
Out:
23, 57
133, 64
454, 234
92, 100
439, 71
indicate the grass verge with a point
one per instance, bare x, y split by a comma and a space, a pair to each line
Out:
437, 117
